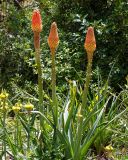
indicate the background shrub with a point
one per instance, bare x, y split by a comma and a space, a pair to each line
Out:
109, 19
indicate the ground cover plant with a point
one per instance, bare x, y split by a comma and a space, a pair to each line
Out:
88, 122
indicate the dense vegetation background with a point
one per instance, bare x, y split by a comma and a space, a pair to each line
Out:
109, 18
67, 122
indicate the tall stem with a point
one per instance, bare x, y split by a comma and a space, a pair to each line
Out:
86, 86
82, 109
16, 130
40, 81
4, 126
28, 136
54, 100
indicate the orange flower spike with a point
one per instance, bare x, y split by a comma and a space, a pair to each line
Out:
53, 39
36, 27
90, 42
36, 21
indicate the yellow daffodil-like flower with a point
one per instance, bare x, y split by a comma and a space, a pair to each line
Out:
108, 148
4, 107
4, 95
29, 106
17, 107
109, 151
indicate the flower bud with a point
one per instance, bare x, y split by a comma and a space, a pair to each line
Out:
36, 21
53, 39
29, 106
3, 95
108, 148
90, 42
17, 107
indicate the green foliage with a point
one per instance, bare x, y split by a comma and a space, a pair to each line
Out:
72, 19
102, 125
110, 22
15, 49
72, 132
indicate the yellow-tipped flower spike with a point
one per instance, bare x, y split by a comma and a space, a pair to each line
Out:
36, 27
53, 39
90, 42
36, 21
29, 106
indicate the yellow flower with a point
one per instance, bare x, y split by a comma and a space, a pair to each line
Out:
108, 148
4, 95
5, 107
17, 107
90, 108
29, 106
97, 97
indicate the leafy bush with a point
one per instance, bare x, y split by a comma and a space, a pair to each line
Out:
110, 21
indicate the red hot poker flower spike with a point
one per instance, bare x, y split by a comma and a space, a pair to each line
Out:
90, 42
53, 39
36, 21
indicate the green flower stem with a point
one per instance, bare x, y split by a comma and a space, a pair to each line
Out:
54, 99
40, 80
86, 86
17, 127
82, 109
78, 137
16, 130
28, 136
4, 128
